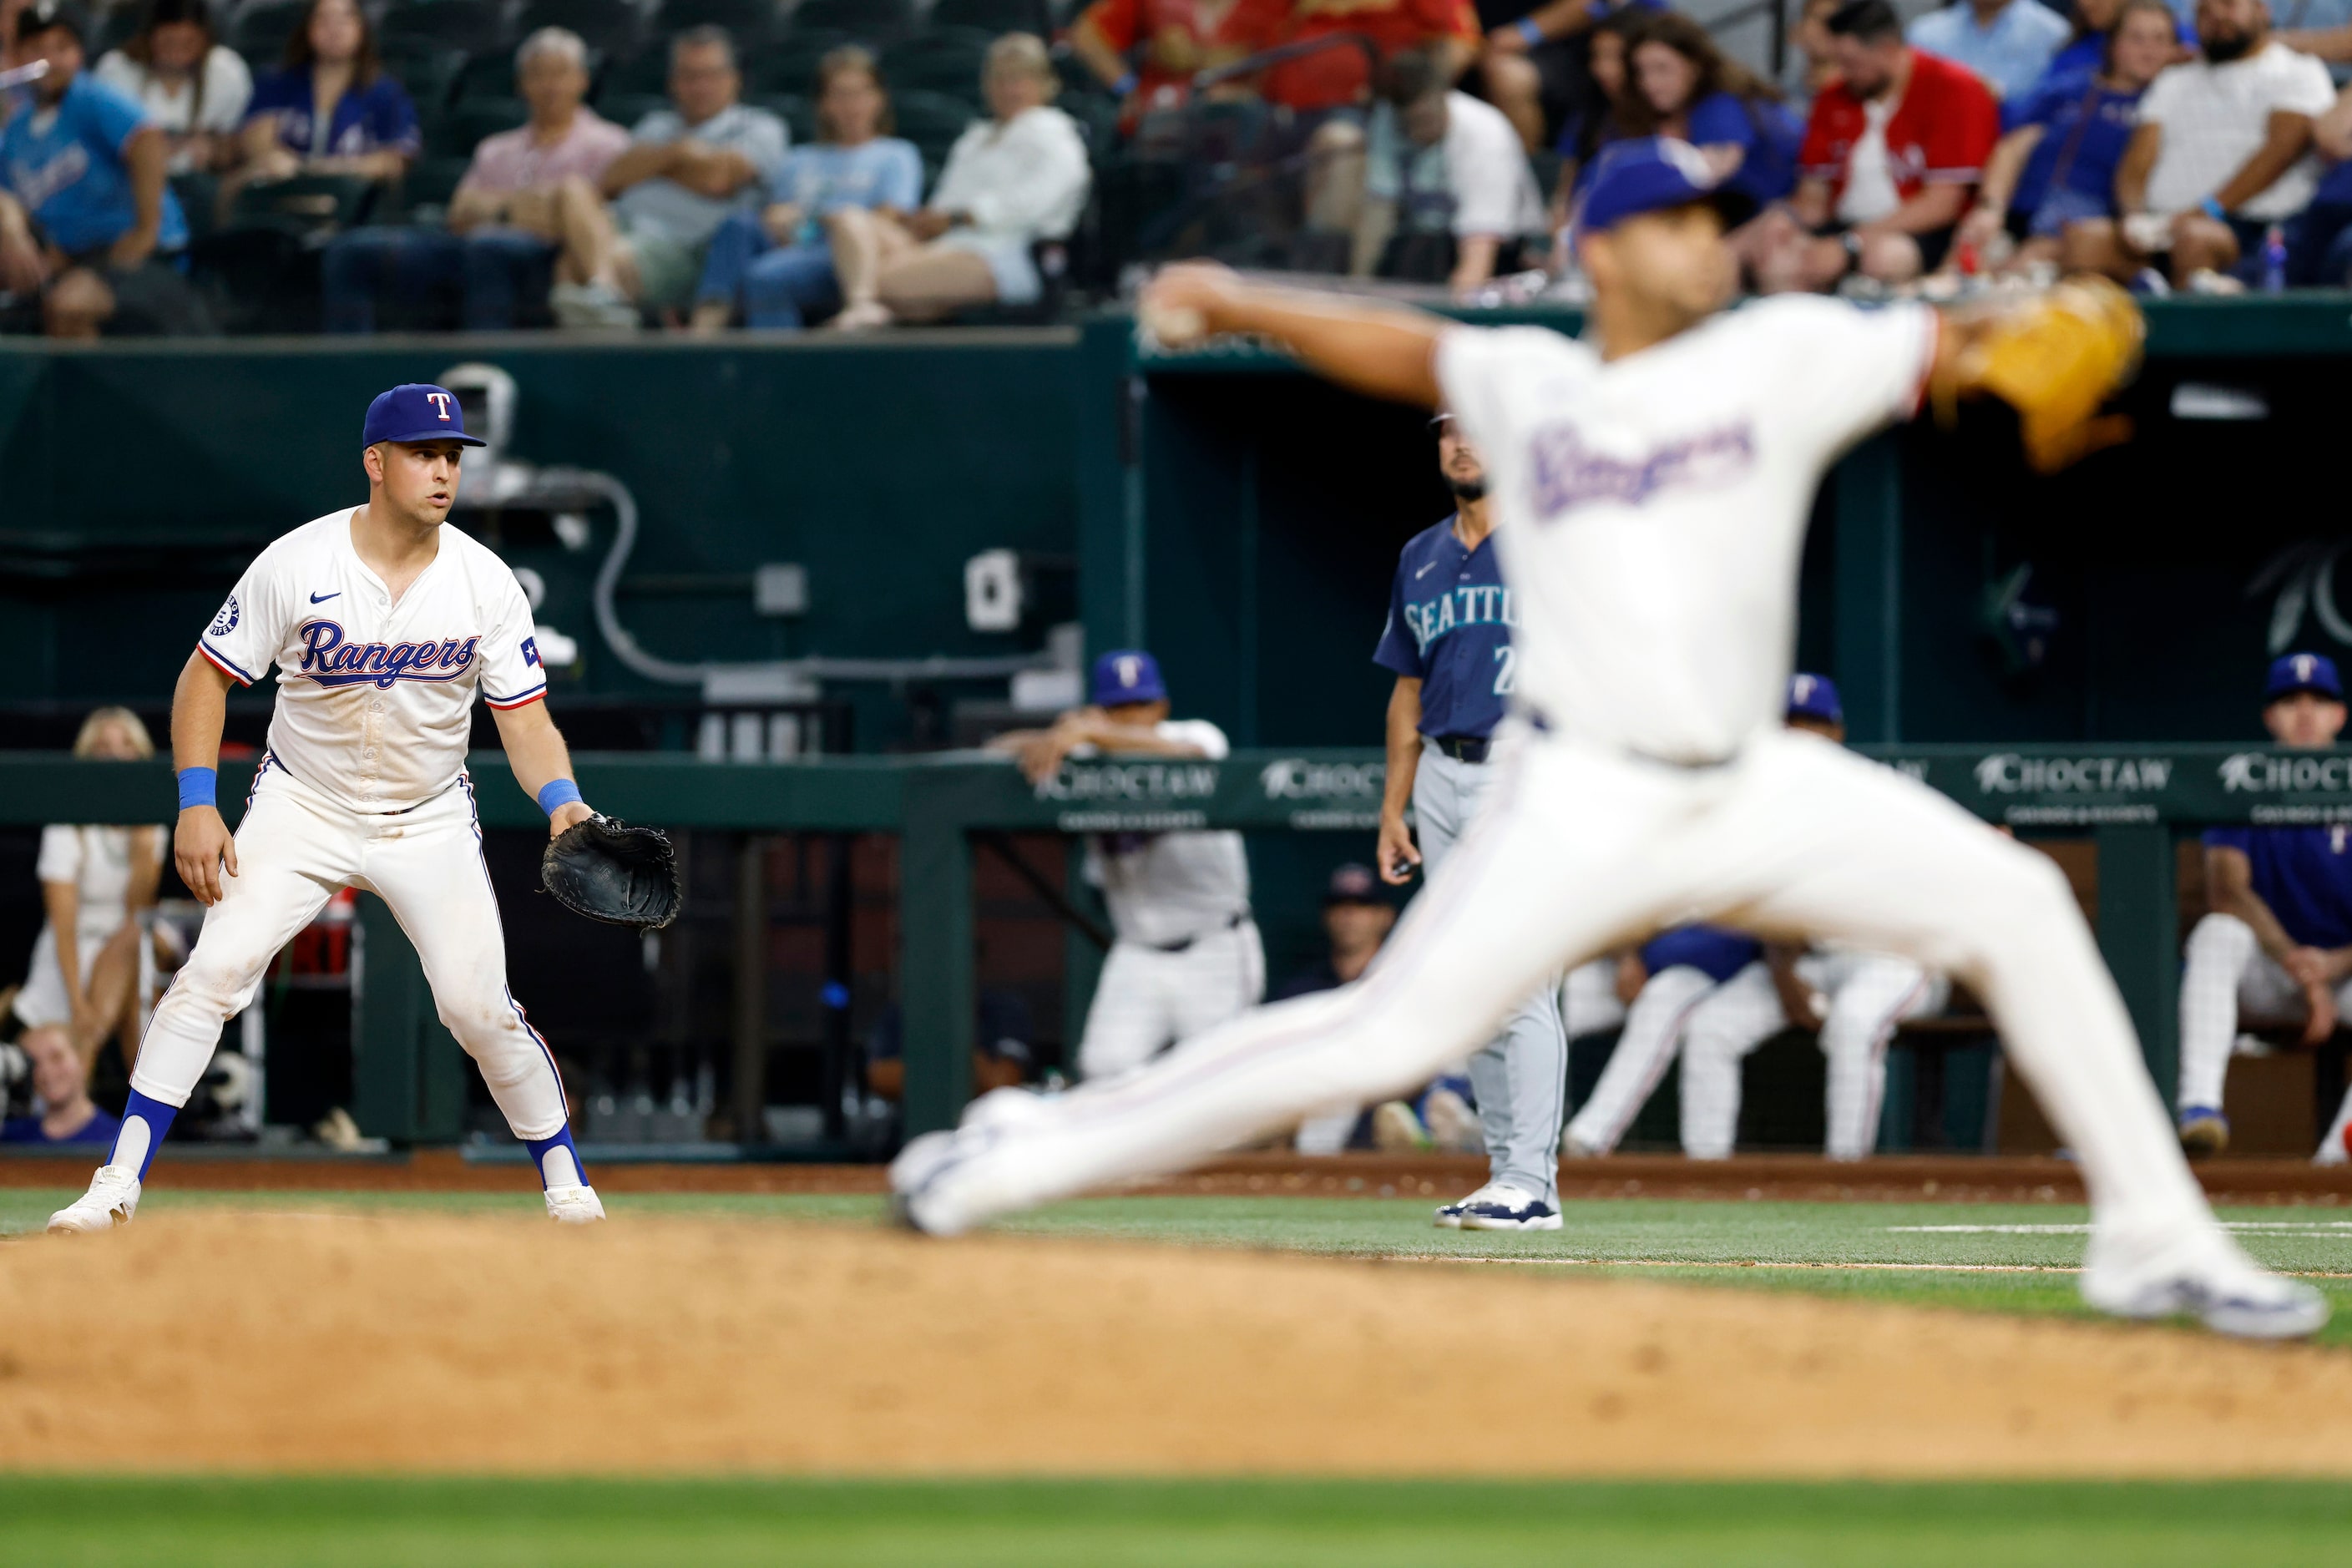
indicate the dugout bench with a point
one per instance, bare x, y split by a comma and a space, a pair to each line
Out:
2133, 802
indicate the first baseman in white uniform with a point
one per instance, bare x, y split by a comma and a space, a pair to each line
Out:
384, 625
1187, 955
1653, 487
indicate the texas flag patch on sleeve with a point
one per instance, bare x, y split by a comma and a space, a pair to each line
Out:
530, 652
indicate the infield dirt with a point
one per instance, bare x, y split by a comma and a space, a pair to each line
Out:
293, 1343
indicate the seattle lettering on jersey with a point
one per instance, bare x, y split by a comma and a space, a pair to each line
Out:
1430, 619
330, 661
1568, 474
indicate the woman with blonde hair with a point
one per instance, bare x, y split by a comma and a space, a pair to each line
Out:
85, 966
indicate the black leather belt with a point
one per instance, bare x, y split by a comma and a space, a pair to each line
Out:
1186, 945
1461, 748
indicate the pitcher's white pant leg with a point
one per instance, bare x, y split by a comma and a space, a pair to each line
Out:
1738, 1016
1130, 1021
293, 851
1859, 854
1530, 887
428, 869
1870, 995
1652, 1033
2221, 948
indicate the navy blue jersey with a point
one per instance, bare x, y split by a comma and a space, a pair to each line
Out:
2303, 874
1450, 622
1717, 954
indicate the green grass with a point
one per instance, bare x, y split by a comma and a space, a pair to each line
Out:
265, 1523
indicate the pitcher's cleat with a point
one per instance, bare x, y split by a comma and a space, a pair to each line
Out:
573, 1205
2214, 1283
113, 1199
1449, 1217
1506, 1207
922, 1177
2204, 1131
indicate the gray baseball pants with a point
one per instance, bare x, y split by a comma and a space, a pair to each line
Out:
1521, 1075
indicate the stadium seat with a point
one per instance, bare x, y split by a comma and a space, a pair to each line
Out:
752, 22
1097, 115
261, 29
870, 21
625, 108
114, 29
789, 65
427, 71
994, 16
794, 109
432, 181
646, 71
608, 27
936, 61
931, 120
470, 27
469, 121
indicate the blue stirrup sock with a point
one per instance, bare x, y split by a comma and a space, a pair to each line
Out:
144, 1122
558, 1161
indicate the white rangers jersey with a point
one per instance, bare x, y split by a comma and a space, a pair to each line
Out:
1168, 888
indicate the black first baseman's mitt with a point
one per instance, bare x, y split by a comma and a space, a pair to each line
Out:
610, 872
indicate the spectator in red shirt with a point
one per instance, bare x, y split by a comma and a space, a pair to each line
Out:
1148, 51
1892, 154
1336, 77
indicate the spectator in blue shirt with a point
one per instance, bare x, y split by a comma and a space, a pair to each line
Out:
776, 264
331, 110
66, 1115
88, 226
2057, 163
2008, 43
1683, 87
2086, 53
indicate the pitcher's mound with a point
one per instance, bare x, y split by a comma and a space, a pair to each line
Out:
293, 1343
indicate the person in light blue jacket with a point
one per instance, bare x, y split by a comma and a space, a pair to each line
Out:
775, 266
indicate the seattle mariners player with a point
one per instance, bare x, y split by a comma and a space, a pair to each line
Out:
1187, 954
1448, 642
384, 625
1853, 1000
1685, 967
2278, 942
1652, 486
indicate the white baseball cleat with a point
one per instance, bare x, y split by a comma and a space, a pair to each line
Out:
2212, 1281
1449, 1217
574, 1205
923, 1179
1506, 1207
113, 1199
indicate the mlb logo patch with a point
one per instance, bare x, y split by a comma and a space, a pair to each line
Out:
530, 652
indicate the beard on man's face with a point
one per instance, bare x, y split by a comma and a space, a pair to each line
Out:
1474, 488
2222, 48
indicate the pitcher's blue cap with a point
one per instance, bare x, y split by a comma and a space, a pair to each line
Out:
2294, 672
416, 411
1127, 675
1814, 696
1651, 174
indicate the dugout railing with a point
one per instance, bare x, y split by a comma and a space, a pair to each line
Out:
2133, 802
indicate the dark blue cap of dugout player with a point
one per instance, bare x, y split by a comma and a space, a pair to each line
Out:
1814, 696
416, 411
2294, 672
1651, 174
1127, 675
1353, 884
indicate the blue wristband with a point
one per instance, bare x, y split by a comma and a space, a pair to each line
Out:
196, 787
1527, 28
2212, 208
556, 792
1123, 86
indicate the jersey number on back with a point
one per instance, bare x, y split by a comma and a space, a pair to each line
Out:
1504, 662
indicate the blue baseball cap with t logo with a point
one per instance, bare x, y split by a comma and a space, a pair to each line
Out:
2294, 672
1127, 675
1814, 696
1652, 173
416, 411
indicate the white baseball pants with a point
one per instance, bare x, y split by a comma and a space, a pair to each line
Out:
294, 849
1869, 994
1588, 999
2229, 976
1645, 1048
1580, 849
1149, 1000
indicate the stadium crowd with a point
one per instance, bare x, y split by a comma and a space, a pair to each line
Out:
614, 164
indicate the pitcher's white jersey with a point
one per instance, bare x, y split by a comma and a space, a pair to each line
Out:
1653, 509
1165, 888
374, 699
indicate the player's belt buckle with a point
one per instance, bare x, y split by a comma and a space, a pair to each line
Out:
1464, 747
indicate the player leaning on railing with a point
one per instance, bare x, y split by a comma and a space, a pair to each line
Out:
1652, 489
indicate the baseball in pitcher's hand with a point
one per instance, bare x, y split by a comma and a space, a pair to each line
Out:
200, 846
